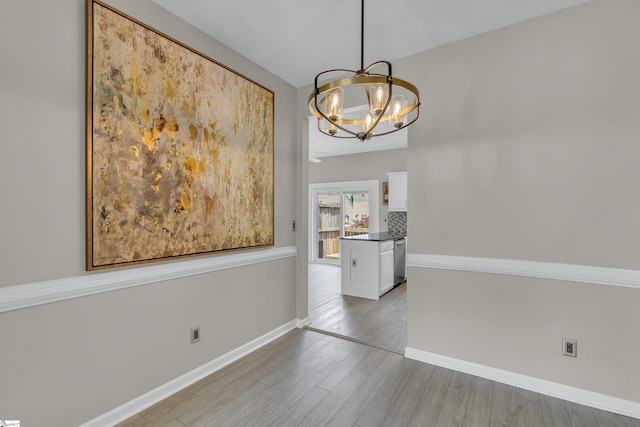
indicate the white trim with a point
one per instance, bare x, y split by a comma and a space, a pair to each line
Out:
301, 323
545, 270
32, 294
148, 399
549, 388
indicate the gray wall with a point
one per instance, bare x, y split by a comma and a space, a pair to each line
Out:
68, 362
527, 148
357, 167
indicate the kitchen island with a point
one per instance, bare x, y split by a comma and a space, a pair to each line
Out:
368, 263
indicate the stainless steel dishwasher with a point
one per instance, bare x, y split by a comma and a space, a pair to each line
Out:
399, 256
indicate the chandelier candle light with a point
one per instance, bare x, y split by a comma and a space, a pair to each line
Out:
393, 104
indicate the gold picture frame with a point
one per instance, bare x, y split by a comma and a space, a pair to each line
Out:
179, 148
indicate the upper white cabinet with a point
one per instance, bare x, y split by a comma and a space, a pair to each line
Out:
397, 191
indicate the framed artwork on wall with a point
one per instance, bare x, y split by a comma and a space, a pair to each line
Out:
179, 148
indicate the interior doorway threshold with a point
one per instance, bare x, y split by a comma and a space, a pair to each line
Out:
356, 340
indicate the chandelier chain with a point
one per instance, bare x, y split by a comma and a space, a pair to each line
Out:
362, 35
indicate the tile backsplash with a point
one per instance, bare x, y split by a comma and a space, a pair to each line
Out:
397, 222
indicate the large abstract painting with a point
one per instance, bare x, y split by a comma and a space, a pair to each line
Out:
180, 148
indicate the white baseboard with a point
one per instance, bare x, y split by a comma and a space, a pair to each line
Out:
549, 388
140, 403
301, 323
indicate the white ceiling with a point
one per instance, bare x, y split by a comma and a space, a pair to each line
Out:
297, 39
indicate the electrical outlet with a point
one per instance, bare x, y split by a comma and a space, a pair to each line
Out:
195, 335
569, 347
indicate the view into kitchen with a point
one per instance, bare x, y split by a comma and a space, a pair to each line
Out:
357, 244
340, 215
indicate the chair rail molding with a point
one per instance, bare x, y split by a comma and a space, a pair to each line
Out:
544, 270
45, 292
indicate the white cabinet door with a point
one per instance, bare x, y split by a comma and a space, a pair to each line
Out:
397, 191
386, 270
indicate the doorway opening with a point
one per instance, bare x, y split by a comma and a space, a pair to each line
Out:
338, 210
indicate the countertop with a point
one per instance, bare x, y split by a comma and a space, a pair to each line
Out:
376, 237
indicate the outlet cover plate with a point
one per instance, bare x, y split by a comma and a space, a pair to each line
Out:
569, 347
195, 335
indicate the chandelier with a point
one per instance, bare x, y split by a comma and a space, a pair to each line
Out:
380, 103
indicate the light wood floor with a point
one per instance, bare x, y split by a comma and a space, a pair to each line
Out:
306, 378
382, 322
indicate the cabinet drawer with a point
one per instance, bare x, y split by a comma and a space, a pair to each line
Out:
386, 246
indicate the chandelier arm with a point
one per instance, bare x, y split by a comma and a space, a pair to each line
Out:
335, 70
371, 66
338, 135
336, 124
351, 134
315, 81
347, 81
396, 129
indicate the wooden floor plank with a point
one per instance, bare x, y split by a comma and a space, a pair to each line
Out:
432, 398
478, 411
293, 369
580, 416
401, 411
224, 406
455, 402
376, 410
528, 409
609, 419
423, 372
321, 415
353, 407
279, 402
166, 411
356, 359
297, 413
283, 354
323, 281
554, 412
239, 411
135, 421
503, 405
